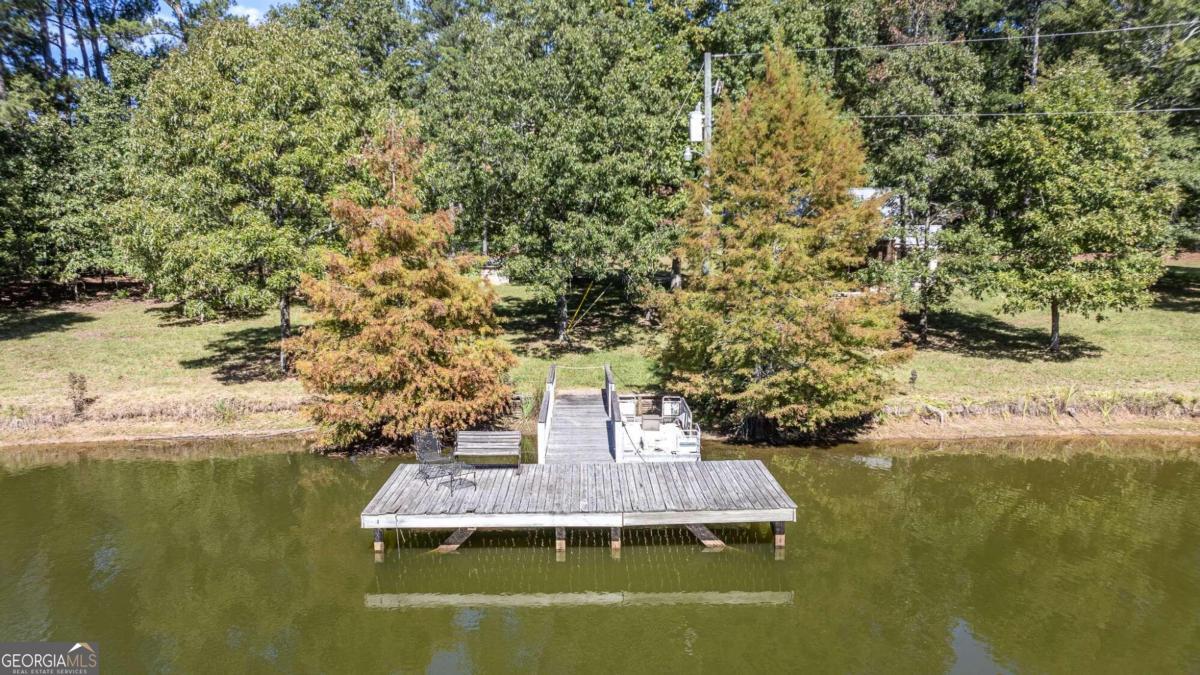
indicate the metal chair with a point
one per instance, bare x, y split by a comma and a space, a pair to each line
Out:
434, 465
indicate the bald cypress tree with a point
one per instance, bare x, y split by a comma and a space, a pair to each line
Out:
404, 338
769, 333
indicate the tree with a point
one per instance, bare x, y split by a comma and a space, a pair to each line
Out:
404, 338
559, 132
234, 149
770, 331
930, 164
33, 160
80, 229
1080, 222
385, 36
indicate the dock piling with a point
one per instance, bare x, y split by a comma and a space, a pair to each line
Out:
777, 528
379, 545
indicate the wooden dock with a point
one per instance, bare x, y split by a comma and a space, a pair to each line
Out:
584, 495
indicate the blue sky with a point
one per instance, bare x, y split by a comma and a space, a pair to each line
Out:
254, 10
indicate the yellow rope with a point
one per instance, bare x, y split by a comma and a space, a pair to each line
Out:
571, 323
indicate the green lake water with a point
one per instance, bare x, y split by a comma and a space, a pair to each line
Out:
217, 558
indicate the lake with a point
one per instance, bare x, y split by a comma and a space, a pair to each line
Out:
1015, 556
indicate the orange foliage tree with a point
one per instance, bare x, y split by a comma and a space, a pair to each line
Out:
404, 338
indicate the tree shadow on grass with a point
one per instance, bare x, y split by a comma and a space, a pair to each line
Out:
240, 356
603, 322
171, 315
1179, 289
19, 324
984, 336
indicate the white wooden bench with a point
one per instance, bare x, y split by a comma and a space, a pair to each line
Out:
494, 447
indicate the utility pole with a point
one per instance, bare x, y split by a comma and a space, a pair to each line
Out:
708, 120
699, 130
708, 131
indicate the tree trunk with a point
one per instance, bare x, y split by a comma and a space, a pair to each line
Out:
44, 36
562, 316
59, 14
923, 324
94, 36
485, 240
1037, 38
83, 54
676, 273
1054, 320
285, 328
180, 18
758, 428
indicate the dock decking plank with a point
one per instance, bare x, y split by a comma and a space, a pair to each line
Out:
751, 476
750, 472
752, 495
722, 498
380, 496
781, 496
747, 491
685, 479
730, 486
409, 478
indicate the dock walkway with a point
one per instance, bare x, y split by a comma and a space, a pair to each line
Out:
578, 430
584, 495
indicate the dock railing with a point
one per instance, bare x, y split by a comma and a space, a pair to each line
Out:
676, 408
546, 413
612, 405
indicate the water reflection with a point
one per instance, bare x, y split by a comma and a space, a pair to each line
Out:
1061, 561
583, 598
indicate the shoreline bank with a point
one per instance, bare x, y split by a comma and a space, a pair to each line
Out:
929, 427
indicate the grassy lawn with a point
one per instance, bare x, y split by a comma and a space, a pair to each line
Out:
142, 360
609, 331
135, 353
978, 354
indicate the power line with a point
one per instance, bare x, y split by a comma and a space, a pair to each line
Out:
998, 38
1046, 113
689, 88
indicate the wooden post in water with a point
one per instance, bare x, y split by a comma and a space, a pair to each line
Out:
615, 540
777, 528
379, 545
560, 544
